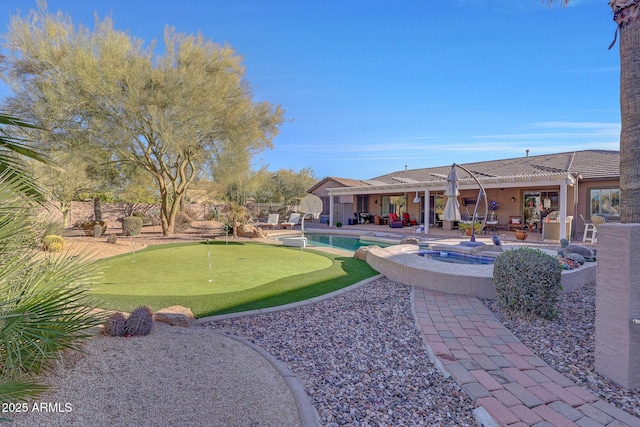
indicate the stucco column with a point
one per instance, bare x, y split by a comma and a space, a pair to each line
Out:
331, 210
617, 350
426, 218
563, 210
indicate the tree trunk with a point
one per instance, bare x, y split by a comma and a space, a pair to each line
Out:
97, 209
168, 211
630, 116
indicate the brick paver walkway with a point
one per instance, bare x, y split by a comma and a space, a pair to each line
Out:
500, 373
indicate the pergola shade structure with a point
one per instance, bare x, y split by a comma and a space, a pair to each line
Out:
558, 180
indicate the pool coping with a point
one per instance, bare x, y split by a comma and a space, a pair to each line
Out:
402, 264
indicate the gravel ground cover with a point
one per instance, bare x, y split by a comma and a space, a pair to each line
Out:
567, 344
361, 359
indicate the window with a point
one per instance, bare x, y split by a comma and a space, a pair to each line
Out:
392, 204
363, 204
604, 201
325, 204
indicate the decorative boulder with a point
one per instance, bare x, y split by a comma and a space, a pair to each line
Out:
248, 230
89, 228
361, 252
409, 241
175, 316
578, 249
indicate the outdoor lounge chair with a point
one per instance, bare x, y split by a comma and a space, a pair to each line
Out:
407, 219
394, 221
272, 221
294, 219
515, 223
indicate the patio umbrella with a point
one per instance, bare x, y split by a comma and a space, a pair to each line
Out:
452, 207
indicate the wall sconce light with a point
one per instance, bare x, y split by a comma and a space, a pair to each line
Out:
513, 199
375, 201
416, 199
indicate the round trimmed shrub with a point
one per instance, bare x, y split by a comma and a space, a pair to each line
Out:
131, 225
528, 282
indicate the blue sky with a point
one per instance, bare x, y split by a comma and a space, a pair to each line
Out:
370, 87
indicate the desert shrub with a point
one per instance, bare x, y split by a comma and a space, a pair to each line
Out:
528, 282
53, 243
132, 225
183, 221
114, 326
139, 322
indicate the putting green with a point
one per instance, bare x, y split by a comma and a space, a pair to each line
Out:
183, 269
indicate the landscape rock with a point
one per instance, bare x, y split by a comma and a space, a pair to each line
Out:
175, 315
361, 252
586, 252
248, 230
409, 241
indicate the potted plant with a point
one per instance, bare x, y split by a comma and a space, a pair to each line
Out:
465, 227
493, 206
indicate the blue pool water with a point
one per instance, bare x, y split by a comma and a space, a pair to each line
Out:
349, 243
457, 257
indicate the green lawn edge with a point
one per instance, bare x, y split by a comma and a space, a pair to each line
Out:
343, 272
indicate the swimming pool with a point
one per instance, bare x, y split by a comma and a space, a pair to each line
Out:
349, 243
457, 257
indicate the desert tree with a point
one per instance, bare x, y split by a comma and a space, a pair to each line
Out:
169, 114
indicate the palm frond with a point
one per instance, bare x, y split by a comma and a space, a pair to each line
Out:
13, 149
15, 144
46, 311
19, 391
45, 306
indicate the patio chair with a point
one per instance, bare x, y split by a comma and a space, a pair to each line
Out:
438, 221
492, 225
294, 219
592, 226
407, 219
272, 221
515, 223
394, 221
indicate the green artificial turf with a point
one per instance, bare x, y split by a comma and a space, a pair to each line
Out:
245, 276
